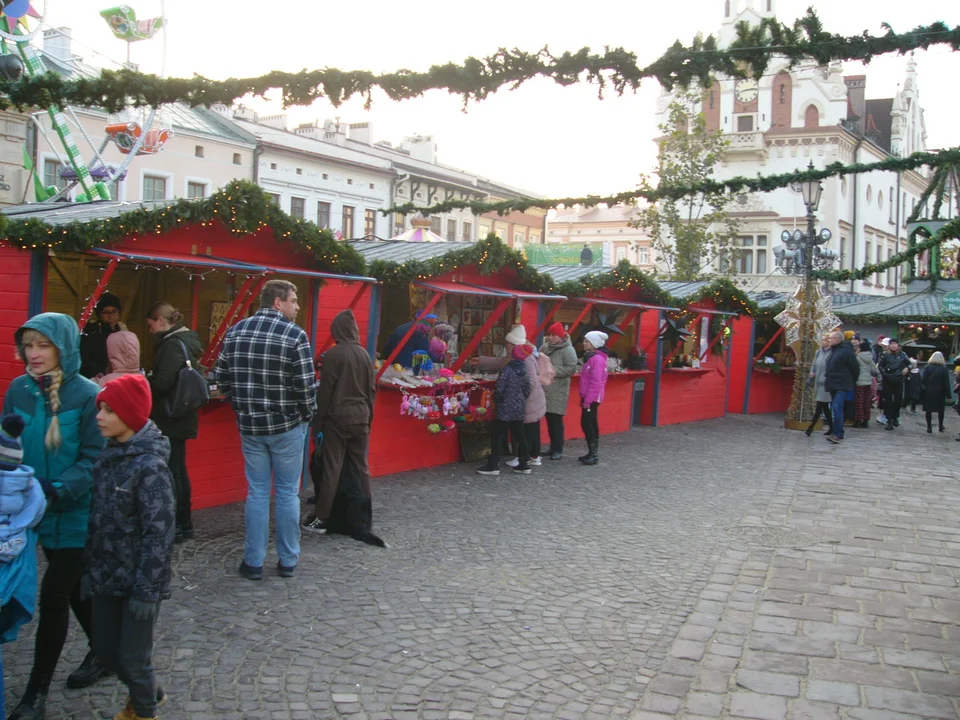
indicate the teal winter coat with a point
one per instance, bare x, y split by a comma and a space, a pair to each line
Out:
69, 467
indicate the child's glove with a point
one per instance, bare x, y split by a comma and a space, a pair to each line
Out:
48, 489
142, 609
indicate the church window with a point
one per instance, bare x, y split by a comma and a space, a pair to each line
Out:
711, 99
726, 8
783, 93
811, 117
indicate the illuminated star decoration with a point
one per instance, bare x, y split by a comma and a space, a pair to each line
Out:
792, 317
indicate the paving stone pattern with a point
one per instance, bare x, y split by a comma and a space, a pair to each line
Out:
726, 569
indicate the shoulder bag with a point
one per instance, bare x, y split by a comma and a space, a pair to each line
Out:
190, 392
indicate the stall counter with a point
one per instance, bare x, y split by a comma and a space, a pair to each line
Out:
616, 411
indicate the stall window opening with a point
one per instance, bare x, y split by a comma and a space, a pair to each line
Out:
347, 228
369, 222
297, 207
154, 188
323, 214
196, 190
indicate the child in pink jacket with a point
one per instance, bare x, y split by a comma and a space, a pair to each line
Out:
593, 379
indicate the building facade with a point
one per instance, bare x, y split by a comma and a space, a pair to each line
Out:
791, 118
607, 226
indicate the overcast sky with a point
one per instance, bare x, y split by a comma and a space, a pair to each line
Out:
549, 139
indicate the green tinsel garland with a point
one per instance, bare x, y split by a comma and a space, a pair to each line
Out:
475, 79
948, 232
242, 207
759, 183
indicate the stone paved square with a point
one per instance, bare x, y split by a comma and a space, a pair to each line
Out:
724, 569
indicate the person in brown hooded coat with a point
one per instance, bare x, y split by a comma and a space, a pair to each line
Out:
345, 401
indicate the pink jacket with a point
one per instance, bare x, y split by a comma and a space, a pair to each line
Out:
593, 378
123, 351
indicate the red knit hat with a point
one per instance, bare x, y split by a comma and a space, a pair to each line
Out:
129, 397
557, 329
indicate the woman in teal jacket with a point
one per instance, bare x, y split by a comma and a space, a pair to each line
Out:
61, 441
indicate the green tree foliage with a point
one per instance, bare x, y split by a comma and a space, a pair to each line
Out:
689, 233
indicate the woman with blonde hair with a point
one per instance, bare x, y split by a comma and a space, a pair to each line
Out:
936, 386
61, 441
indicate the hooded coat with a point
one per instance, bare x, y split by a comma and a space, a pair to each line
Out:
168, 360
94, 359
564, 359
123, 350
130, 550
21, 507
69, 467
348, 388
593, 377
512, 390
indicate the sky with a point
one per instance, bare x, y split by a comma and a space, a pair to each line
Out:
554, 141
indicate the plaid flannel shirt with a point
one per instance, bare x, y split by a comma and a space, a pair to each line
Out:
266, 369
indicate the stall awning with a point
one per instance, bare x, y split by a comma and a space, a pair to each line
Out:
472, 289
622, 303
168, 258
305, 272
705, 311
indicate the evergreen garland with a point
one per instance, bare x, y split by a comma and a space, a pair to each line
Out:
244, 208
759, 183
476, 78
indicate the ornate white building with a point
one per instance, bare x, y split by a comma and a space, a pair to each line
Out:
792, 117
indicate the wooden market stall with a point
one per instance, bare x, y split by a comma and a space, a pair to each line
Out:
479, 302
697, 375
211, 274
631, 396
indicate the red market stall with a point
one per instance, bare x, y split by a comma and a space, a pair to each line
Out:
211, 274
480, 305
771, 368
697, 375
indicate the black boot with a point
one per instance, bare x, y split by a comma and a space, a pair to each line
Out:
33, 704
592, 458
87, 674
589, 452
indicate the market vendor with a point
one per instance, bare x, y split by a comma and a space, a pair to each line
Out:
93, 343
420, 340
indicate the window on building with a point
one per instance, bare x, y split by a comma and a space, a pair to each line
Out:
811, 117
880, 199
154, 188
711, 96
644, 256
843, 252
196, 190
349, 181
273, 166
483, 231
114, 189
534, 238
325, 176
369, 222
621, 253
891, 273
51, 174
519, 238
879, 279
467, 230
297, 207
435, 225
275, 199
198, 151
237, 160
323, 214
868, 247
869, 193
752, 255
451, 230
348, 213
783, 93
744, 123
299, 171
893, 204
399, 223
371, 186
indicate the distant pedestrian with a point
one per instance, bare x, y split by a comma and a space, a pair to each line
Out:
911, 387
880, 349
593, 381
894, 367
840, 381
864, 390
937, 388
129, 553
559, 349
266, 369
818, 375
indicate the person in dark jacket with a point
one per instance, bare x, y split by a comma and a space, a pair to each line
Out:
911, 387
94, 360
345, 400
419, 341
175, 344
840, 380
129, 551
514, 386
61, 443
936, 385
893, 366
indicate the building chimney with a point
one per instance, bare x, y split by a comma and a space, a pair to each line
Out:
275, 121
856, 103
242, 112
421, 147
311, 130
361, 132
57, 43
335, 132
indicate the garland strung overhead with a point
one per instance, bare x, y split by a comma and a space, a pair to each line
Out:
475, 79
758, 183
948, 232
244, 208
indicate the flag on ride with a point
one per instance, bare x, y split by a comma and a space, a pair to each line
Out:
124, 24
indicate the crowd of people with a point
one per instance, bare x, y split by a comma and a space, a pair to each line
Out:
850, 376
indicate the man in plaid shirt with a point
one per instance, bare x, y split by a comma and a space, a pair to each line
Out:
266, 369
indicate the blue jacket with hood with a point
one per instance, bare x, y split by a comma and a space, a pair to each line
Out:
69, 467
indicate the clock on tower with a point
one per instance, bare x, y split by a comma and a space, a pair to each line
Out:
746, 91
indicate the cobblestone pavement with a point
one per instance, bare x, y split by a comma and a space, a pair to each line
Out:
720, 569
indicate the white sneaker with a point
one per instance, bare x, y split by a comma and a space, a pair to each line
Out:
534, 461
882, 419
513, 463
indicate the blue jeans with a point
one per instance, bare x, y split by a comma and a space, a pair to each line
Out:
837, 401
278, 458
